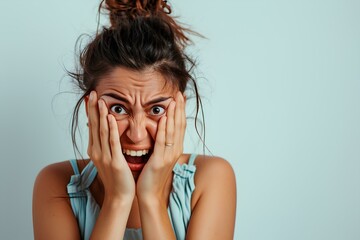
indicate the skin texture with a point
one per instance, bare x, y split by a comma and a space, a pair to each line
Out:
137, 198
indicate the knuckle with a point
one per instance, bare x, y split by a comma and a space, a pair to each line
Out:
115, 166
170, 132
161, 141
158, 166
106, 158
95, 156
169, 138
103, 132
112, 142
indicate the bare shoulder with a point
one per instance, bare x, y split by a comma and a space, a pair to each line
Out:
206, 163
51, 203
213, 174
54, 178
212, 168
214, 200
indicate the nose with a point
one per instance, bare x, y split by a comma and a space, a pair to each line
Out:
137, 131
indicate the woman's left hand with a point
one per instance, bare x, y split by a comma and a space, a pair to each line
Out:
155, 178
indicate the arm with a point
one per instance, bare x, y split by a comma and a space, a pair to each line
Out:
112, 220
154, 183
154, 217
53, 217
214, 211
105, 151
52, 214
155, 220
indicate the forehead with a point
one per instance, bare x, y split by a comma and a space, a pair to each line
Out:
132, 82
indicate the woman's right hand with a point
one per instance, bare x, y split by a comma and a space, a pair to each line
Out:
105, 151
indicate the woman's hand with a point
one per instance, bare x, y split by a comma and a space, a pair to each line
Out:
105, 151
156, 176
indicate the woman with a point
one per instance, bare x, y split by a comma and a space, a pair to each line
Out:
138, 184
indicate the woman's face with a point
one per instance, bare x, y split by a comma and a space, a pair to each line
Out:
137, 100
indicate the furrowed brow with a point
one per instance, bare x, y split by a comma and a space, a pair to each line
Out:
157, 100
151, 102
120, 98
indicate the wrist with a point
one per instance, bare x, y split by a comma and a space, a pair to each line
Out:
152, 202
117, 202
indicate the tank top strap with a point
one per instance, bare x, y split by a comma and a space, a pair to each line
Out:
192, 159
74, 166
89, 173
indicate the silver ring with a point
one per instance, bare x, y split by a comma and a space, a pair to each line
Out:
169, 144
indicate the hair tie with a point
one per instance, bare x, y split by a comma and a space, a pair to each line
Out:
166, 8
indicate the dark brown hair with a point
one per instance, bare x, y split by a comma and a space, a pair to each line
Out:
142, 35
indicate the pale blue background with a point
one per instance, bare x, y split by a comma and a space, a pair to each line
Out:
282, 100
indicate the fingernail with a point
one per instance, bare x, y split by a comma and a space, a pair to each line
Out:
91, 95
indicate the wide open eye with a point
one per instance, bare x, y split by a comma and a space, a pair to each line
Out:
157, 110
118, 109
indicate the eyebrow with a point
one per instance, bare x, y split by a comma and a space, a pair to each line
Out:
120, 98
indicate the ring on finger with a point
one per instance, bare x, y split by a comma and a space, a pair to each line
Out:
169, 144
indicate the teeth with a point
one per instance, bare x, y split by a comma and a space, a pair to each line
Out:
134, 153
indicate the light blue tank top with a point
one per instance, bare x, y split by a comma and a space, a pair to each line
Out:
86, 209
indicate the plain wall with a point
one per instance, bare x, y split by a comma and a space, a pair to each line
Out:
281, 86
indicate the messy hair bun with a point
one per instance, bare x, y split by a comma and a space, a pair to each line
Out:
122, 11
135, 8
142, 36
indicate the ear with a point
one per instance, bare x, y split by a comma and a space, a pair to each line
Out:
86, 99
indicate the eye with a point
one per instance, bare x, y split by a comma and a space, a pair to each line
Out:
157, 110
118, 109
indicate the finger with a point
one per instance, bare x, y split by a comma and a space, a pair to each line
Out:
89, 129
179, 115
94, 122
169, 139
159, 146
183, 117
104, 130
116, 150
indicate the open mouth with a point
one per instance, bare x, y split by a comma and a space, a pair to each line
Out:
136, 159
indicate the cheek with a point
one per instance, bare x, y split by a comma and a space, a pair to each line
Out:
122, 126
152, 127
